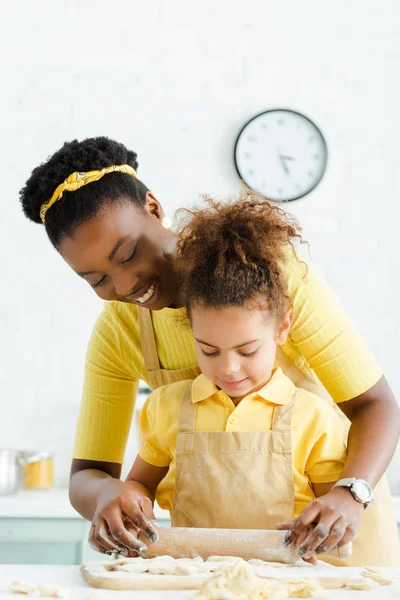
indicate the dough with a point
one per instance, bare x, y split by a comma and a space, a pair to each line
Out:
361, 584
377, 576
231, 559
239, 583
21, 587
257, 562
132, 568
37, 591
167, 565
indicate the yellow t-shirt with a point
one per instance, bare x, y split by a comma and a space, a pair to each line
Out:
322, 340
318, 449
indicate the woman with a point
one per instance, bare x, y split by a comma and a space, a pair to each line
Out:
108, 227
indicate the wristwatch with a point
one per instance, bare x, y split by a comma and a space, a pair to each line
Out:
359, 489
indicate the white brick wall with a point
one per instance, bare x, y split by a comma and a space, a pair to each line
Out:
175, 81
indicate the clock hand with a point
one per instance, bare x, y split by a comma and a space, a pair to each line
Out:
284, 165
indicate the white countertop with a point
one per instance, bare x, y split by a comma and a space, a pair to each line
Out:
50, 504
70, 580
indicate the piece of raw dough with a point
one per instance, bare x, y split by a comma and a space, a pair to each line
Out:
239, 583
377, 576
231, 559
361, 584
166, 565
21, 587
37, 591
132, 568
257, 562
136, 560
303, 588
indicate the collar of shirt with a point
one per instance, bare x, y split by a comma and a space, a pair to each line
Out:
278, 390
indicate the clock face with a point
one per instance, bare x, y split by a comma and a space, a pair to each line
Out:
281, 154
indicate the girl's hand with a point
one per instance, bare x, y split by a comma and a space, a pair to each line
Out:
331, 520
123, 510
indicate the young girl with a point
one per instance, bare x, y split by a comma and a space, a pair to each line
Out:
240, 446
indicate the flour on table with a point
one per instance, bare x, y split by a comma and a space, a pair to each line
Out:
98, 596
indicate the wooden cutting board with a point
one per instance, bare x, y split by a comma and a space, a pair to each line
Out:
97, 576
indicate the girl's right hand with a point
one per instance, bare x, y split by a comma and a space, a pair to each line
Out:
122, 511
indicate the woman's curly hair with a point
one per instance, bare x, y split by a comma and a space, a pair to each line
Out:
230, 253
79, 206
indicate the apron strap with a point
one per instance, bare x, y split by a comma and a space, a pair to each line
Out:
187, 412
282, 427
149, 348
282, 417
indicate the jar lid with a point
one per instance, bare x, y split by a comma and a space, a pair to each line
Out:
37, 457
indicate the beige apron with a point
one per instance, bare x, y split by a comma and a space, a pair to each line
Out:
377, 541
236, 479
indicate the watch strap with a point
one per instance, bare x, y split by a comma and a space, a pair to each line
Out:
346, 482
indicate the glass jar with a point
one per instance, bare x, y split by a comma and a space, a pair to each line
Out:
39, 471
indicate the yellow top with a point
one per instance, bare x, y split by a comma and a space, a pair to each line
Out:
322, 339
318, 449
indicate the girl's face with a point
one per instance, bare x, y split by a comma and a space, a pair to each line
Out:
236, 346
125, 254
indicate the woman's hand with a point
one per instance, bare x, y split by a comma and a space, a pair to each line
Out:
331, 520
123, 510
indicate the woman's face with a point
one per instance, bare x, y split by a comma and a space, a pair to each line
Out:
125, 254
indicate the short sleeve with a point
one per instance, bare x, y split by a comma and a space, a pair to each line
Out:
109, 392
327, 455
324, 335
151, 450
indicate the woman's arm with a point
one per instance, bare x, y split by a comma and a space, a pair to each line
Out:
336, 513
118, 510
103, 426
374, 432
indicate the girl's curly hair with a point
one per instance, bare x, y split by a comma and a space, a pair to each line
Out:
229, 253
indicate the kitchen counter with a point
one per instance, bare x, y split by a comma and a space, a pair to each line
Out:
69, 579
50, 504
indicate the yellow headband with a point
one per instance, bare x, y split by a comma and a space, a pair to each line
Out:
77, 180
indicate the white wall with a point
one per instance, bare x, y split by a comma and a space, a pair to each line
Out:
175, 81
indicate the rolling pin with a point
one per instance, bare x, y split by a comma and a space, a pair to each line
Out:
185, 542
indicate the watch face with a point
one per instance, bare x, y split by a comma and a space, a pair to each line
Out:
281, 154
363, 490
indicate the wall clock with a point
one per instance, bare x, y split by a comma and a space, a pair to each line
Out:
281, 154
